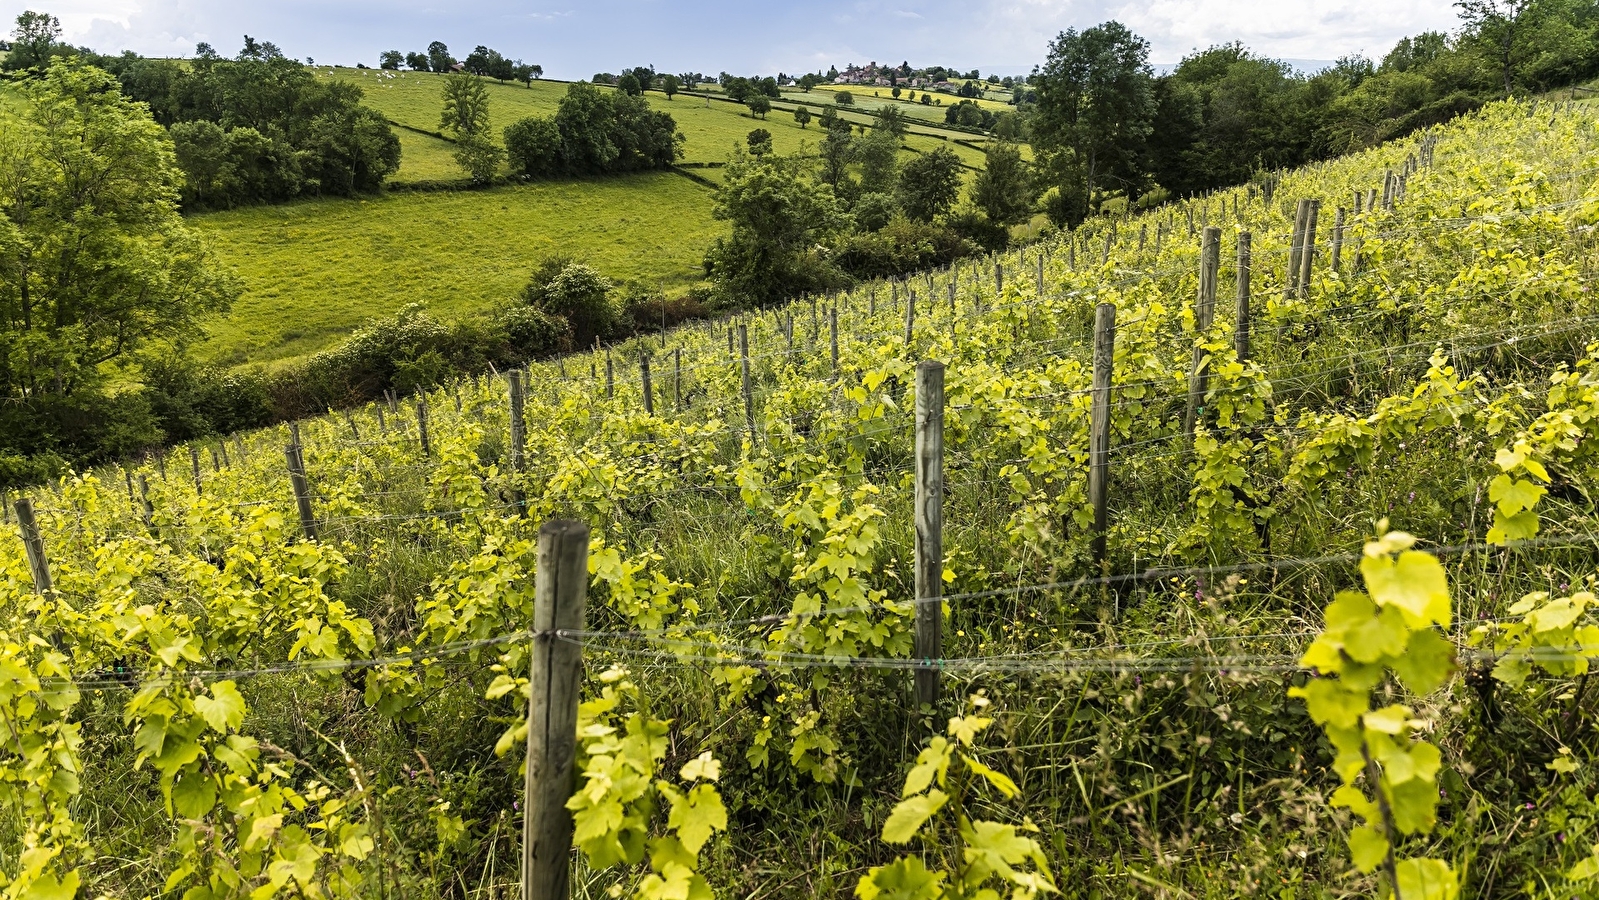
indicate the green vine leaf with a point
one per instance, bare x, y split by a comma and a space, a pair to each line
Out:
910, 813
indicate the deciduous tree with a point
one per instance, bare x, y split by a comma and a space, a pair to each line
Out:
95, 261
1095, 106
930, 184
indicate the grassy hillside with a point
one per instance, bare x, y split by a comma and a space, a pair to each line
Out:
754, 539
312, 271
710, 125
872, 97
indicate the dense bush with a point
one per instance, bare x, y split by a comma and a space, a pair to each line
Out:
572, 291
644, 310
901, 246
594, 132
260, 128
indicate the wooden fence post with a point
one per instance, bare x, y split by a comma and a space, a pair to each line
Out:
216, 461
910, 316
832, 335
555, 680
1040, 275
1099, 427
194, 466
1241, 330
999, 279
33, 544
677, 377
1307, 258
1204, 314
610, 375
1337, 240
929, 528
1296, 247
749, 388
302, 491
422, 425
148, 508
644, 378
518, 441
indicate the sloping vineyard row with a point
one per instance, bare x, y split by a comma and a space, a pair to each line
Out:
207, 704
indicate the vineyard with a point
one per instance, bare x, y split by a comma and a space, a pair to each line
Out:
1241, 548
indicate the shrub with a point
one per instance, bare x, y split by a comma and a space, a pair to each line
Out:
645, 310
533, 146
980, 230
873, 211
577, 294
903, 245
531, 332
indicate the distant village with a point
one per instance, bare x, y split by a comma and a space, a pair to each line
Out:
936, 78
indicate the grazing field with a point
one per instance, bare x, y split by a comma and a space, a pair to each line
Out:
1082, 580
312, 271
424, 157
864, 96
711, 127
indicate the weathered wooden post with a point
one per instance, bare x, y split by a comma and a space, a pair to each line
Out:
929, 528
910, 316
518, 442
749, 388
1204, 314
1337, 240
555, 679
1296, 248
147, 508
1099, 427
302, 490
832, 335
1307, 257
644, 377
422, 425
1241, 330
33, 546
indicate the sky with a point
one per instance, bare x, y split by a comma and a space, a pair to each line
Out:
577, 38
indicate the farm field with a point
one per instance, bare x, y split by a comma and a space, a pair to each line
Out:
314, 270
424, 157
1059, 573
711, 127
865, 97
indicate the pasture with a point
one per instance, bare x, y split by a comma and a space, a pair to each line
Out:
315, 270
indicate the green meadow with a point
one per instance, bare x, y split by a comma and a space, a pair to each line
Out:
710, 126
313, 271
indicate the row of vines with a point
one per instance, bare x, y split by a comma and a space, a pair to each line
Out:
1340, 644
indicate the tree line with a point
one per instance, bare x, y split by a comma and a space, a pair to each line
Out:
256, 128
482, 61
1106, 128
